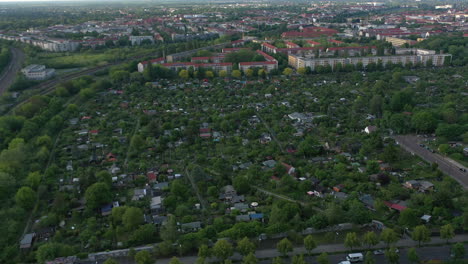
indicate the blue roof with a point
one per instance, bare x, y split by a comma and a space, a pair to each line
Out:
106, 208
256, 216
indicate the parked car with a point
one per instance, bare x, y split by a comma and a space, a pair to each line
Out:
379, 252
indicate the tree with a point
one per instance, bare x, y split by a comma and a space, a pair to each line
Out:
302, 71
389, 236
458, 251
52, 250
209, 74
370, 239
447, 232
408, 218
241, 184
351, 240
369, 258
105, 177
143, 257
25, 197
421, 234
245, 246
222, 73
250, 259
98, 194
376, 104
137, 142
262, 73
33, 180
204, 251
309, 243
424, 121
298, 260
132, 218
222, 250
169, 230
184, 74
277, 260
236, 74
284, 246
175, 260
7, 185
110, 261
249, 73
413, 255
323, 258
287, 71
392, 255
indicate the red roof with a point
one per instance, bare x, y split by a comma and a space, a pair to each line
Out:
266, 56
313, 42
238, 41
397, 207
268, 45
151, 176
227, 50
314, 34
348, 48
335, 41
179, 64
158, 60
215, 64
320, 29
258, 63
289, 43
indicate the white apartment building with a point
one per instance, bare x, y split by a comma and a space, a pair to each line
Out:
137, 40
404, 56
37, 72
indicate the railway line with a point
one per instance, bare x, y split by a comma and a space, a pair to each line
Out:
49, 86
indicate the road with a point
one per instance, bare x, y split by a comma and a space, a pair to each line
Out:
8, 76
438, 250
411, 144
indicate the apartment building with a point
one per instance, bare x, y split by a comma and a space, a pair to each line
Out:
267, 65
403, 56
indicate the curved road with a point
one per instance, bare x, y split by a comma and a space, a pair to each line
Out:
411, 144
8, 76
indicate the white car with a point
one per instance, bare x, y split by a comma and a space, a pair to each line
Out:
344, 262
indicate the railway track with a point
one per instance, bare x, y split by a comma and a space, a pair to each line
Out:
49, 86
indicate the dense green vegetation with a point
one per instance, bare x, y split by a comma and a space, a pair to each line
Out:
123, 159
28, 139
4, 56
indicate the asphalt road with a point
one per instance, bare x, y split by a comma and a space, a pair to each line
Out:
448, 166
424, 253
435, 249
8, 76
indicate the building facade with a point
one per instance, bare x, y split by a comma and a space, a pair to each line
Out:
37, 72
403, 57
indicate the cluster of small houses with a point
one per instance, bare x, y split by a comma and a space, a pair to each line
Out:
158, 179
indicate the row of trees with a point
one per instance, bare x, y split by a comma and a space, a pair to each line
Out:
4, 57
